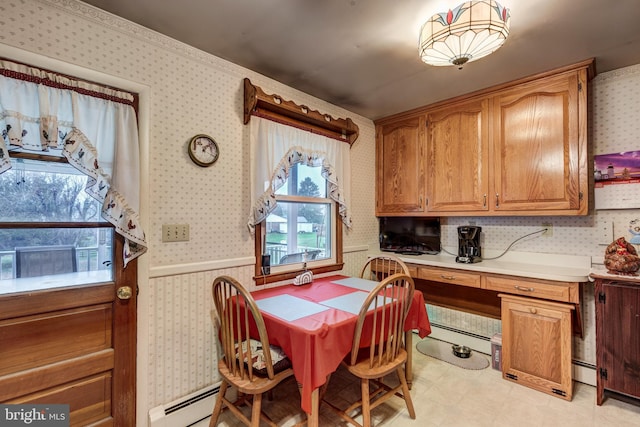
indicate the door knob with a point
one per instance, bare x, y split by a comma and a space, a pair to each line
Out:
124, 292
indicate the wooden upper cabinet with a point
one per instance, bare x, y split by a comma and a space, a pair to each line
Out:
457, 156
519, 148
400, 167
540, 160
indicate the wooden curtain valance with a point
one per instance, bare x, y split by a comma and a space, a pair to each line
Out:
257, 102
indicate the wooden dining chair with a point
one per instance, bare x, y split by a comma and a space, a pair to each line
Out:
382, 266
378, 348
252, 366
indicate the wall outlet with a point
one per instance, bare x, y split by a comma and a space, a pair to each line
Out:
175, 232
605, 233
549, 229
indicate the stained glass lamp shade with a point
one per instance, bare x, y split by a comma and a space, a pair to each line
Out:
466, 33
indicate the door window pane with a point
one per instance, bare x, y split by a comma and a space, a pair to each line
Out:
51, 196
40, 191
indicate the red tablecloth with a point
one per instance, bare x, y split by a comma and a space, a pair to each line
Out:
316, 344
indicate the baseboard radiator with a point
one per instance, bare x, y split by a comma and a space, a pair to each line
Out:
186, 411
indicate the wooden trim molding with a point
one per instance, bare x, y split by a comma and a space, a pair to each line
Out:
273, 107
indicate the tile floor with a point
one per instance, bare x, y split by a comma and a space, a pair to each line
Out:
445, 395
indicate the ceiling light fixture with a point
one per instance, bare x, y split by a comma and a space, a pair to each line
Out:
470, 31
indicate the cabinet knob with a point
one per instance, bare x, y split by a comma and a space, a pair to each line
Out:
522, 288
533, 310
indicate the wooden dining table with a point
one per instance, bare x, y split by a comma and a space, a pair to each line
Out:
314, 325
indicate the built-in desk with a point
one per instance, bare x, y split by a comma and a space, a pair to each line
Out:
537, 297
474, 288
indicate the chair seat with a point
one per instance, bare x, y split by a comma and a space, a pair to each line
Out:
362, 367
278, 357
258, 385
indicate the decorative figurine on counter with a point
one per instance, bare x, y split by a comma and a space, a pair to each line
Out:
621, 257
303, 278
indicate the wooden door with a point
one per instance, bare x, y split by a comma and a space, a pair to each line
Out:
536, 344
539, 156
73, 345
400, 167
457, 153
618, 338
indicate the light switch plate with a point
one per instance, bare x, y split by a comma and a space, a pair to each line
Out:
175, 232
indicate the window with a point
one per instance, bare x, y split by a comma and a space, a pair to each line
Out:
301, 232
299, 229
50, 226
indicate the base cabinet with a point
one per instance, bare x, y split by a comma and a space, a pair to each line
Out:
536, 344
617, 337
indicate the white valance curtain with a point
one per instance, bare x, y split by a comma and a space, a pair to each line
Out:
275, 148
94, 127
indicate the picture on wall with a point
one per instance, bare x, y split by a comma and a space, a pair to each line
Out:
617, 180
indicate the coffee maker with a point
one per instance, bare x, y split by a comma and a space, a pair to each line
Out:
469, 250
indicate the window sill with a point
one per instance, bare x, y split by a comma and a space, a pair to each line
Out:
289, 275
39, 283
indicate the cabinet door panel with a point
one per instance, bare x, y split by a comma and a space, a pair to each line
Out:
536, 156
400, 167
457, 147
620, 344
536, 344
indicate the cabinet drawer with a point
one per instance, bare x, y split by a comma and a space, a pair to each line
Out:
557, 291
454, 277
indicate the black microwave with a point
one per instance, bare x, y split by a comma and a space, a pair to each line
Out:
410, 235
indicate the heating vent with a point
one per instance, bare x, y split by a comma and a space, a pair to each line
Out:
186, 411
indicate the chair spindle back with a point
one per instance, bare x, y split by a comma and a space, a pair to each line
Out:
237, 314
382, 266
380, 326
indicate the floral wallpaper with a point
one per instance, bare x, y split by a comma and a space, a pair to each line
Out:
192, 92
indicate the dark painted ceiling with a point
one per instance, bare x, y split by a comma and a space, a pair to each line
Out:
362, 54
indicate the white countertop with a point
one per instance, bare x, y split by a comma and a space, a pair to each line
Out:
558, 267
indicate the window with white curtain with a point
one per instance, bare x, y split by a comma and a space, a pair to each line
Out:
69, 176
300, 193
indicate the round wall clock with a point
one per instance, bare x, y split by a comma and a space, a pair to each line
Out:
203, 150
